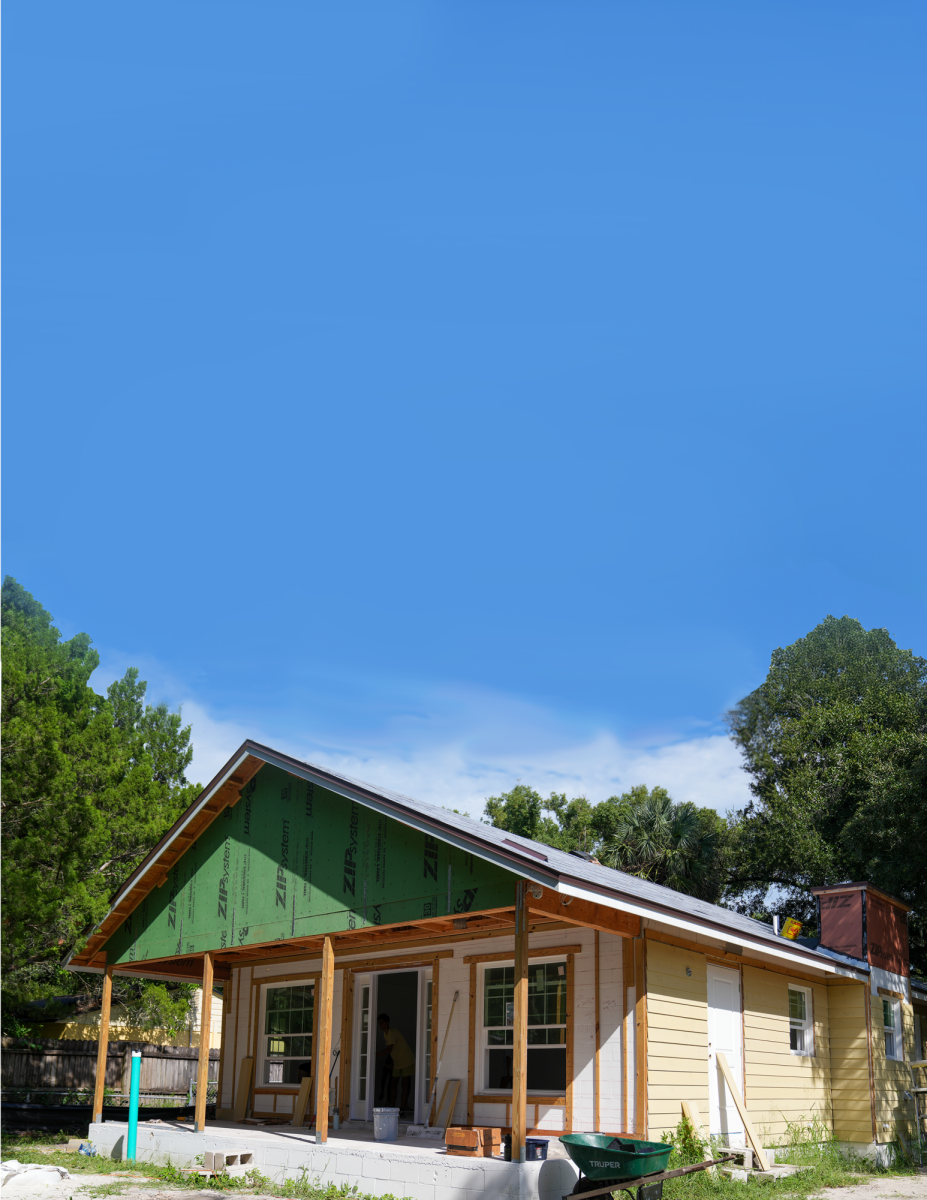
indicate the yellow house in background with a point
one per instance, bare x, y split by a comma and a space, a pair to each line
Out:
85, 1027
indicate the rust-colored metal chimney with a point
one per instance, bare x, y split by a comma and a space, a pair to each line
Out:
862, 921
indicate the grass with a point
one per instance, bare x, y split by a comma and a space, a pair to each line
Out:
806, 1144
37, 1147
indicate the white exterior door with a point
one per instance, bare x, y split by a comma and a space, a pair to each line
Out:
363, 1069
725, 1033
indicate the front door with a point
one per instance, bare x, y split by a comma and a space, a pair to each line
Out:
725, 1033
405, 997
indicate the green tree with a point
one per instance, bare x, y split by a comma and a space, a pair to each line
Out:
677, 845
90, 784
641, 832
835, 741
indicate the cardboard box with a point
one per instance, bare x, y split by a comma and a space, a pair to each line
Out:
473, 1141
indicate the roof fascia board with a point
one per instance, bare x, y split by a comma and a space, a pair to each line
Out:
526, 869
705, 930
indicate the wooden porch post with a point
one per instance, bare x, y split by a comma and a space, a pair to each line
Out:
103, 1046
202, 1068
520, 1031
326, 990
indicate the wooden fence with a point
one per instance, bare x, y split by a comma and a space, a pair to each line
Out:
166, 1070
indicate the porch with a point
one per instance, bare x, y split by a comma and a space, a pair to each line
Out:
415, 1167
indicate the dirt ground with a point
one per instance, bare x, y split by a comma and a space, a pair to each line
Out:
907, 1187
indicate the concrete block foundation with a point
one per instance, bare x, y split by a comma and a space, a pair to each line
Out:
411, 1168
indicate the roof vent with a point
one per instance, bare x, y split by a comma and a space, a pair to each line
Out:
524, 849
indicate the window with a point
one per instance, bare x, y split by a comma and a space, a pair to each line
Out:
287, 1032
801, 1021
891, 1021
919, 1026
547, 1017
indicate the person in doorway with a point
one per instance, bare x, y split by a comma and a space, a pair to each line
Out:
403, 1061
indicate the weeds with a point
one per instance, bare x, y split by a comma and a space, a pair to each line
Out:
34, 1147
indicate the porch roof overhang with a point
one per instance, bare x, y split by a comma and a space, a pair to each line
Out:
569, 878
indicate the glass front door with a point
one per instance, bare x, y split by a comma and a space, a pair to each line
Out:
392, 1068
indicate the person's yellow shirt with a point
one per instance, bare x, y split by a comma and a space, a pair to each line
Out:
400, 1049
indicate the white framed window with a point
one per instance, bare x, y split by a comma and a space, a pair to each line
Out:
286, 1041
891, 1023
801, 1020
547, 1027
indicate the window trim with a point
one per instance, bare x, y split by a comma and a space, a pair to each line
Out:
497, 1095
807, 1025
260, 1009
896, 1029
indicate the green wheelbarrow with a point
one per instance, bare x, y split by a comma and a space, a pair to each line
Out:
623, 1164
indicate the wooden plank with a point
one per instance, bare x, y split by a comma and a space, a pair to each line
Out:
597, 1065
534, 952
471, 1043
301, 1103
202, 1070
520, 1027
103, 1045
569, 1048
243, 1091
627, 981
725, 956
435, 977
347, 1047
690, 1111
640, 1028
445, 1114
324, 1043
585, 912
721, 1059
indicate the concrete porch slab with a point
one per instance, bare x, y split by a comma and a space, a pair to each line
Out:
413, 1168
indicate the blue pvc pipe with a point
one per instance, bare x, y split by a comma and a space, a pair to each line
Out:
133, 1104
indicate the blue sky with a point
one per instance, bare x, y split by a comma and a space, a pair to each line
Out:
457, 393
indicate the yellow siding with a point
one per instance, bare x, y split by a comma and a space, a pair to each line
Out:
891, 1077
677, 1035
849, 1055
781, 1086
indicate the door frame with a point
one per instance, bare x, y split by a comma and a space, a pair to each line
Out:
739, 1074
424, 973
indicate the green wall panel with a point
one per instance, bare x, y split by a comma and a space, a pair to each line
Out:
293, 859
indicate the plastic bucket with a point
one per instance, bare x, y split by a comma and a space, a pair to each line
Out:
385, 1124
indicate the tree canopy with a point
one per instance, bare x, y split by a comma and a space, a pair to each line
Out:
641, 832
835, 742
90, 783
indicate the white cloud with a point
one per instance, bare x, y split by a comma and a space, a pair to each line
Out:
456, 745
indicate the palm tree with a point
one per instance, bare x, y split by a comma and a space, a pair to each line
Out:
677, 845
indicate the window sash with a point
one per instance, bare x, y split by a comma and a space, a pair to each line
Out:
287, 1035
891, 1028
547, 997
801, 1022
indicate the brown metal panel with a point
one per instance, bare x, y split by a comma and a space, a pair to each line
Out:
842, 923
886, 936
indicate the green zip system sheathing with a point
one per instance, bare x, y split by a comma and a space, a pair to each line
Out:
291, 860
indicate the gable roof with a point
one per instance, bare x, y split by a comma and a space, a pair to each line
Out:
559, 870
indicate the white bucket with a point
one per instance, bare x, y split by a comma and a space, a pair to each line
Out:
385, 1124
